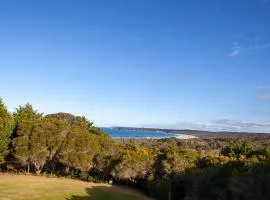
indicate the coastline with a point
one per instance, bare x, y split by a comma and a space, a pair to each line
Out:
156, 138
149, 135
134, 134
185, 137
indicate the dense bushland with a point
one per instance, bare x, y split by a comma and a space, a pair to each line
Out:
66, 145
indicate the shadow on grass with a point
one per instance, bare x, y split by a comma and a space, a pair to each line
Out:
103, 193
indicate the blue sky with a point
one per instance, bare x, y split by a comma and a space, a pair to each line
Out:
174, 64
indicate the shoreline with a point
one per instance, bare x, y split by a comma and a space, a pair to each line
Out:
183, 137
141, 136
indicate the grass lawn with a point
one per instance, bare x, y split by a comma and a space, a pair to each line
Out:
21, 187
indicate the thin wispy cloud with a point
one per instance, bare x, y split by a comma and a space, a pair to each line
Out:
221, 125
258, 47
264, 87
265, 97
236, 50
238, 126
235, 53
248, 41
260, 112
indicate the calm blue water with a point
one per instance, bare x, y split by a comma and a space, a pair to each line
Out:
116, 133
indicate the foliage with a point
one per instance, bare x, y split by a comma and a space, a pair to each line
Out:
237, 149
133, 163
213, 160
25, 136
175, 159
78, 149
6, 128
233, 180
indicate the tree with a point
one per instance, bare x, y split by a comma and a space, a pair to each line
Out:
26, 114
237, 149
56, 132
26, 118
78, 149
6, 128
267, 152
78, 141
134, 162
71, 119
174, 159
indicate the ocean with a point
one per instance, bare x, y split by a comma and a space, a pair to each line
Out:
120, 133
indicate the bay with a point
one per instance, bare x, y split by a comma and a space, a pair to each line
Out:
125, 133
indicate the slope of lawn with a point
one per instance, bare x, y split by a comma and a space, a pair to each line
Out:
21, 187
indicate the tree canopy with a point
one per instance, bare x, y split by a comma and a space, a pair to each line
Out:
6, 128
